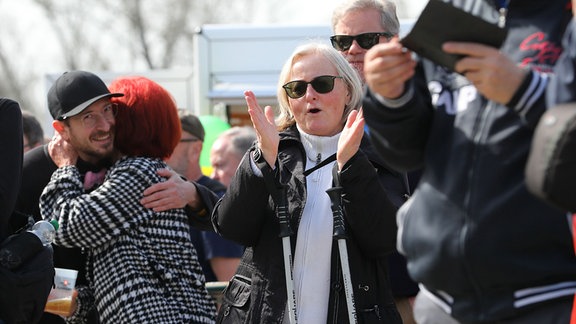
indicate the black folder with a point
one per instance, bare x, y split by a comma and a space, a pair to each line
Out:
441, 22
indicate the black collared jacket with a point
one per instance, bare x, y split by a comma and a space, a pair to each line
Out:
257, 293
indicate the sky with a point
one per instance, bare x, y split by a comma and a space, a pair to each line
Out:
319, 11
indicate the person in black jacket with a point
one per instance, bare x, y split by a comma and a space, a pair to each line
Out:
318, 93
358, 25
218, 257
11, 149
24, 288
483, 248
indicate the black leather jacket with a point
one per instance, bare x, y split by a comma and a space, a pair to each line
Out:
257, 293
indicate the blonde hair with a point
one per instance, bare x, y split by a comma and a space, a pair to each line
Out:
349, 76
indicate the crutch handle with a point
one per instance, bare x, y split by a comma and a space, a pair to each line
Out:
335, 194
282, 212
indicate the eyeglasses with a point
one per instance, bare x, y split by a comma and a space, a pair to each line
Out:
366, 40
321, 84
90, 119
188, 140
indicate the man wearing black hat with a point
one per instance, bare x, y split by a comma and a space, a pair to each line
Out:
80, 104
84, 118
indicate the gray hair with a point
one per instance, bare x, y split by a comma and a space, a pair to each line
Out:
241, 138
387, 9
348, 74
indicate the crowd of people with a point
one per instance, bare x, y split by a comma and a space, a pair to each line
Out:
385, 189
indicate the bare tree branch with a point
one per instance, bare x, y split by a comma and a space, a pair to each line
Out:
14, 82
103, 35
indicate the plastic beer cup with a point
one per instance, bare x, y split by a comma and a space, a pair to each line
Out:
62, 294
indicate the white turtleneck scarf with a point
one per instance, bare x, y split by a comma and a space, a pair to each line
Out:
314, 240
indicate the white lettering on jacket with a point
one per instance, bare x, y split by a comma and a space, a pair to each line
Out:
452, 101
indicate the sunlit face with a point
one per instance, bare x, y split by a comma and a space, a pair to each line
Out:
94, 143
318, 113
359, 22
224, 160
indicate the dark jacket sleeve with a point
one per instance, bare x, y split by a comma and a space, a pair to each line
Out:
243, 211
11, 153
370, 215
201, 219
399, 134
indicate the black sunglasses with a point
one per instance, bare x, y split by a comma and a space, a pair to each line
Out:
321, 84
366, 40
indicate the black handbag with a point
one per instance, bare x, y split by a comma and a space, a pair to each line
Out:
551, 168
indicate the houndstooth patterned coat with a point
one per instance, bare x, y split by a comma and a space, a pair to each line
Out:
144, 267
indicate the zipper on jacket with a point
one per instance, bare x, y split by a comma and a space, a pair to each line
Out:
479, 127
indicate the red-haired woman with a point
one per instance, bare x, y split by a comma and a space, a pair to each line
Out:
144, 267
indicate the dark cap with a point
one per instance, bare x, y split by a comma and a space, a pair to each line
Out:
74, 91
191, 124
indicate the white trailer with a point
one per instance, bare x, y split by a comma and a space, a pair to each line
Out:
229, 59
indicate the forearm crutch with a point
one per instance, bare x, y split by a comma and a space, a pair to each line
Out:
278, 193
335, 194
285, 233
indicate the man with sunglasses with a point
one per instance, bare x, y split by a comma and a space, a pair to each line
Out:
358, 25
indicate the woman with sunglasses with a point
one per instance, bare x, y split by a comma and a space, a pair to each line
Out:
319, 128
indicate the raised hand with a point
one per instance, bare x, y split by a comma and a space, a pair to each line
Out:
62, 152
170, 194
350, 138
265, 126
387, 67
492, 73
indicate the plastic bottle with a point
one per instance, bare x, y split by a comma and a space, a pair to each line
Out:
17, 249
46, 231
